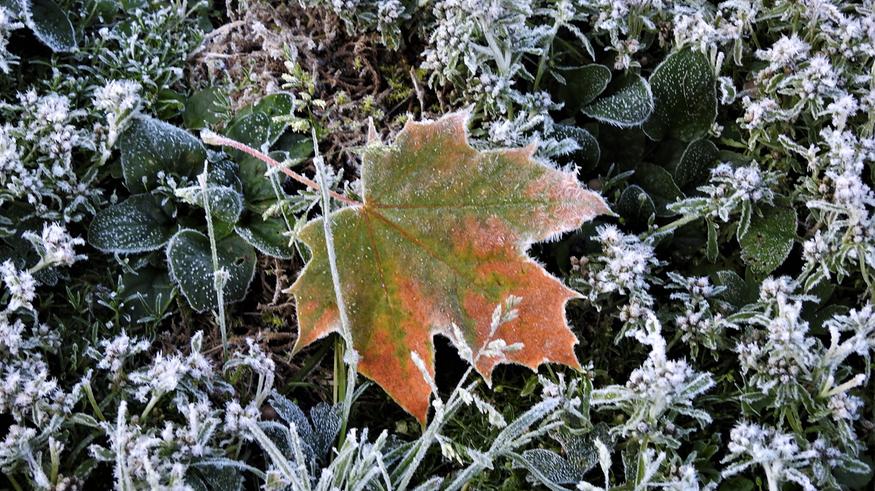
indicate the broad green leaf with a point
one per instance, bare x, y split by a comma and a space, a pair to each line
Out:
225, 173
191, 267
635, 206
253, 129
204, 109
588, 155
583, 85
630, 104
738, 292
769, 239
149, 146
695, 164
685, 97
256, 186
269, 236
279, 104
49, 23
226, 204
138, 224
659, 184
441, 239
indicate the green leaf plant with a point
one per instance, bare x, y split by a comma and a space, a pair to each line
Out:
200, 230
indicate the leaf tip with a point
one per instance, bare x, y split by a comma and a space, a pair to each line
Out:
373, 135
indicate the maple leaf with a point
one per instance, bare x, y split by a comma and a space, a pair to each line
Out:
441, 239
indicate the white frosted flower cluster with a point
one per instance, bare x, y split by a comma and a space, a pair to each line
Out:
777, 453
8, 23
166, 372
114, 352
36, 156
624, 266
55, 245
20, 284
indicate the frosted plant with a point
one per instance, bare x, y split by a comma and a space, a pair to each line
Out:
55, 246
777, 453
730, 191
697, 322
113, 353
656, 393
842, 201
168, 372
8, 23
625, 267
118, 100
36, 155
20, 285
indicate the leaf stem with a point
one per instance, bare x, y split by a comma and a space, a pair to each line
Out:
212, 138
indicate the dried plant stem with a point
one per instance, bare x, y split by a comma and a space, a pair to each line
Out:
350, 355
214, 139
219, 277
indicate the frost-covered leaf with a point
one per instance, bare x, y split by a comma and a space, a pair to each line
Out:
441, 239
635, 206
225, 173
149, 146
49, 23
711, 246
319, 432
630, 104
552, 466
221, 478
138, 224
226, 204
659, 184
253, 129
695, 164
191, 266
585, 157
279, 104
583, 85
685, 97
269, 236
326, 426
769, 238
737, 291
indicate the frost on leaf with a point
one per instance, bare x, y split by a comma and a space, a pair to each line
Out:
138, 224
149, 147
629, 105
441, 239
190, 259
49, 23
685, 93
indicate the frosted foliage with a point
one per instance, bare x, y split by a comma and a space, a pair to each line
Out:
685, 96
152, 148
49, 24
629, 106
190, 260
553, 466
138, 224
226, 204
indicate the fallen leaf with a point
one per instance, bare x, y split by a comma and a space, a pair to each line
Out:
441, 238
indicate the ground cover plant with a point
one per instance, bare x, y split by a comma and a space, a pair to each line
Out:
592, 245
